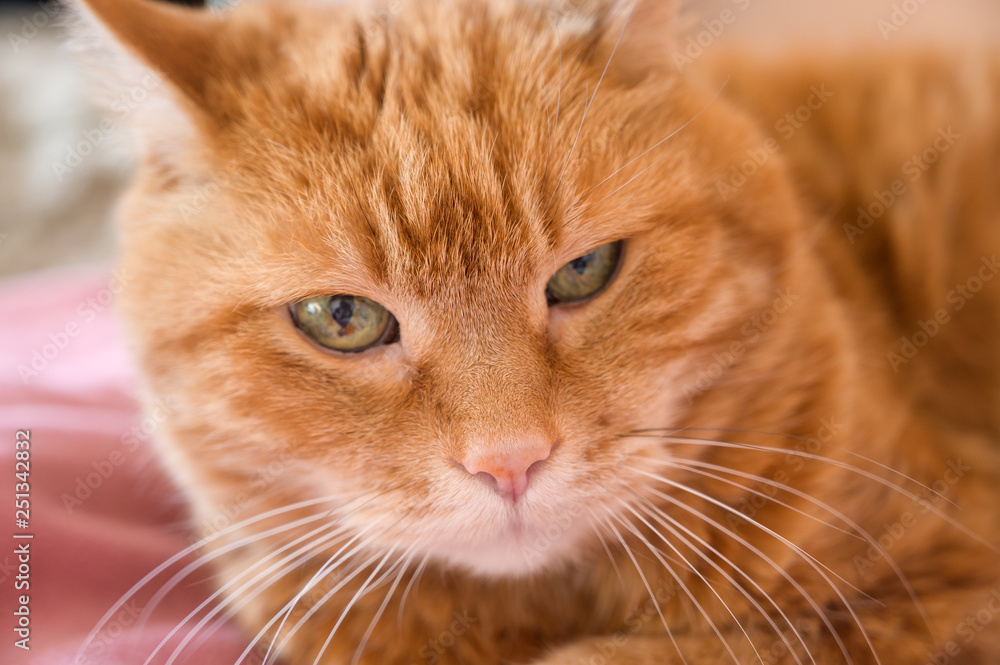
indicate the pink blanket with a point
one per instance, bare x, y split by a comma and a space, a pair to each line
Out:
102, 515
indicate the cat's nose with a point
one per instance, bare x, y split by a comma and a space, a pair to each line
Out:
508, 471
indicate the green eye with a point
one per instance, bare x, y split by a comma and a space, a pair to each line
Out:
345, 323
584, 276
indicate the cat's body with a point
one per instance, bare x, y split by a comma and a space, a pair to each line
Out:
744, 365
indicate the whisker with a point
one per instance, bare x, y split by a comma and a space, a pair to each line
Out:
378, 615
187, 551
808, 558
694, 466
651, 148
586, 109
862, 472
772, 532
334, 561
555, 128
322, 572
649, 590
764, 557
360, 593
684, 587
406, 592
296, 557
205, 559
799, 453
659, 515
234, 608
863, 534
299, 555
607, 550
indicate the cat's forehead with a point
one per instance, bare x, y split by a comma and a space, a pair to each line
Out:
434, 181
419, 208
398, 159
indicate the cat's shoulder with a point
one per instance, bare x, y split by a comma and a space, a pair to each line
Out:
895, 155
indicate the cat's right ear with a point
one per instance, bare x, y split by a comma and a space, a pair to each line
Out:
181, 44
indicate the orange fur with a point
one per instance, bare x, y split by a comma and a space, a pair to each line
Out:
731, 391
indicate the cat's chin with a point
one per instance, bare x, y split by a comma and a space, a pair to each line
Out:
519, 550
502, 560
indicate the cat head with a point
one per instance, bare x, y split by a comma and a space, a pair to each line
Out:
438, 263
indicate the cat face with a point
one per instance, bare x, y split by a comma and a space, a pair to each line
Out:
348, 249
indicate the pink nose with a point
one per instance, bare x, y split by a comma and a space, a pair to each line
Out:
508, 470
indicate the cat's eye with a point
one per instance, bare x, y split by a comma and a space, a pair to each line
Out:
584, 276
345, 323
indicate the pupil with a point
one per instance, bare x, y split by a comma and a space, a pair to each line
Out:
343, 311
580, 264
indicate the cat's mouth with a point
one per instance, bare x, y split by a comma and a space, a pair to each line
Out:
518, 543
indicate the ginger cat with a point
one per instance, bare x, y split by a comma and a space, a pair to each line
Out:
494, 338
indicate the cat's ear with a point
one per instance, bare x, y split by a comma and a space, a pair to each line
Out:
647, 29
181, 43
639, 33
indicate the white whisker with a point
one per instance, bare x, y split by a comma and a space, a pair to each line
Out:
586, 109
666, 521
694, 601
334, 561
406, 592
295, 558
388, 596
814, 564
360, 593
187, 551
649, 590
840, 464
863, 534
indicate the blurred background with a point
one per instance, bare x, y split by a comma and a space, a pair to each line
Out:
60, 172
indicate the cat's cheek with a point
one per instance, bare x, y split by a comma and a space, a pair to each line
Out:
668, 392
569, 327
559, 319
398, 360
